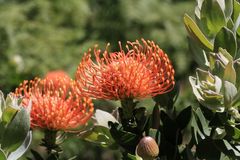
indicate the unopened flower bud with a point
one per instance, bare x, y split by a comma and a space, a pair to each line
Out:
147, 148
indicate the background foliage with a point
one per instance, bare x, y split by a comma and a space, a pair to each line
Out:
37, 36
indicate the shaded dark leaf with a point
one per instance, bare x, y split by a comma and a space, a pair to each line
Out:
36, 155
170, 129
155, 117
168, 99
184, 117
206, 149
227, 149
233, 132
218, 120
52, 157
141, 118
126, 139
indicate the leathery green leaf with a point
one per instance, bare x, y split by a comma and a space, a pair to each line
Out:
230, 92
16, 131
2, 155
212, 16
196, 33
226, 40
230, 73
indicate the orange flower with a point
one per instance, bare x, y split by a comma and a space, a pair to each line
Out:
54, 76
143, 70
55, 107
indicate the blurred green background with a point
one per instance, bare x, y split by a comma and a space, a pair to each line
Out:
37, 36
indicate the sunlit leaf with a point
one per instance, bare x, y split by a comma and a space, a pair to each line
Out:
103, 117
196, 33
228, 8
2, 155
100, 135
203, 121
213, 16
236, 10
230, 73
16, 131
2, 104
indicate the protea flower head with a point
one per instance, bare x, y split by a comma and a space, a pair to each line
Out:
55, 78
142, 70
55, 106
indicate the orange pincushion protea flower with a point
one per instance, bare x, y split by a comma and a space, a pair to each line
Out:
55, 107
54, 76
143, 70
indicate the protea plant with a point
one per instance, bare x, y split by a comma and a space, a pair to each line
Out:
214, 40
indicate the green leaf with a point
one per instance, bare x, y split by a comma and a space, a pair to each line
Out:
210, 96
167, 100
184, 117
22, 149
52, 157
196, 129
13, 102
196, 34
227, 148
236, 25
224, 56
2, 104
2, 155
206, 149
218, 119
198, 54
124, 138
236, 14
16, 131
193, 82
156, 134
133, 157
236, 10
155, 117
103, 117
226, 40
203, 121
230, 92
170, 129
230, 73
36, 155
212, 16
100, 135
8, 114
218, 133
237, 69
233, 132
228, 8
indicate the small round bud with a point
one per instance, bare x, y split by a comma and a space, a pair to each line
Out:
147, 148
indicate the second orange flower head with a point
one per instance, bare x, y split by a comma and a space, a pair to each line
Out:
140, 71
56, 104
